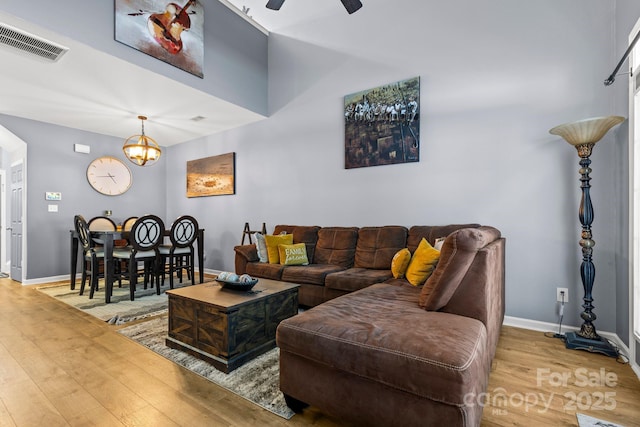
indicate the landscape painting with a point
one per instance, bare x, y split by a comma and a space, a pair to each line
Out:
172, 32
211, 176
382, 125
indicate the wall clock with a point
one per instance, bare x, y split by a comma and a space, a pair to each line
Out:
108, 175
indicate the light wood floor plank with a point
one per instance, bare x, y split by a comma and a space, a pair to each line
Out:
62, 367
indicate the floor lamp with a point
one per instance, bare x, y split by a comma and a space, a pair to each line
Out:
583, 135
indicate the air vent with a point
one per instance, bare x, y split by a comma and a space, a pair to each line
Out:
30, 44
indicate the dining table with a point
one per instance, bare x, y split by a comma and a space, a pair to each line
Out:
106, 239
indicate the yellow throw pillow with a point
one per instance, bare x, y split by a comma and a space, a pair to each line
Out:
422, 263
272, 246
293, 254
400, 262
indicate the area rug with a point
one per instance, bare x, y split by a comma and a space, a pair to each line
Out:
587, 421
121, 309
256, 381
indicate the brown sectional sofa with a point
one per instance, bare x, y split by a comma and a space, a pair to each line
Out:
342, 259
378, 351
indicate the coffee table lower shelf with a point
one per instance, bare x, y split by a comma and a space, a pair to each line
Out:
228, 328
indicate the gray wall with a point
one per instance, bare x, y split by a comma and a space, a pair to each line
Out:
235, 61
495, 77
52, 165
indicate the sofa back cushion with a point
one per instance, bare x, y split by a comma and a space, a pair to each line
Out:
458, 252
431, 233
377, 246
307, 234
336, 246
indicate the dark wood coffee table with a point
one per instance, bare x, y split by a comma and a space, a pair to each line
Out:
228, 328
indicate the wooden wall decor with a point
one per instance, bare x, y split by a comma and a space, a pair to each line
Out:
212, 176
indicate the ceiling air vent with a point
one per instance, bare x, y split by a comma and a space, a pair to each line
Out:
30, 44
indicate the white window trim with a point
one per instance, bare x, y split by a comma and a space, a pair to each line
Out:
634, 189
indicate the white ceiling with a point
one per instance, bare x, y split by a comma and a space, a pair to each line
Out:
92, 91
89, 90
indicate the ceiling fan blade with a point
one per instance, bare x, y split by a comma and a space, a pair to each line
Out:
351, 5
274, 4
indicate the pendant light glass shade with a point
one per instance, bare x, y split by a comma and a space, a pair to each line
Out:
141, 149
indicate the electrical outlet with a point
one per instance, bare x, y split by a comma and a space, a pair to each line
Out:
559, 292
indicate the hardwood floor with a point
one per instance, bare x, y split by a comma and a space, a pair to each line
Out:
61, 367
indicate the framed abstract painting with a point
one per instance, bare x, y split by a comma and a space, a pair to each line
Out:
382, 125
171, 32
212, 176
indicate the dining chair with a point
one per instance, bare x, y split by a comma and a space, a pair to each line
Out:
102, 223
128, 223
180, 252
145, 238
91, 254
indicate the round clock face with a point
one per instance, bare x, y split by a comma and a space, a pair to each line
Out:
108, 175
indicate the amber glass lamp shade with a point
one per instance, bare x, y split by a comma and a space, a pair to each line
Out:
587, 131
141, 150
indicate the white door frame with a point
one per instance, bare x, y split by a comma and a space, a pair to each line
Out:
16, 148
3, 222
634, 195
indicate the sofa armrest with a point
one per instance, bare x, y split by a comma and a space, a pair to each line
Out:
245, 254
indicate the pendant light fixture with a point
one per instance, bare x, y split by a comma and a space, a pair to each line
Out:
141, 149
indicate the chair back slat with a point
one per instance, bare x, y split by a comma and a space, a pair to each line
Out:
84, 235
147, 233
184, 231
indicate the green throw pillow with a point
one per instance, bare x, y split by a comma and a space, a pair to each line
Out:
293, 254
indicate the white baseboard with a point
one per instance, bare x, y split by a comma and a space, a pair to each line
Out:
536, 325
41, 280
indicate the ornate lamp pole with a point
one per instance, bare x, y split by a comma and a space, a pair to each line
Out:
583, 135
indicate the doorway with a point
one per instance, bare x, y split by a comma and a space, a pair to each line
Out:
13, 152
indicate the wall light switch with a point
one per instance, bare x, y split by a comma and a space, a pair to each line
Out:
81, 148
53, 208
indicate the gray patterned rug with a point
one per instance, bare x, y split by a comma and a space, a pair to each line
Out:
256, 381
121, 309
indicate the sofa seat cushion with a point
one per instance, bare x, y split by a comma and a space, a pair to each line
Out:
353, 279
381, 334
377, 246
313, 274
265, 270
